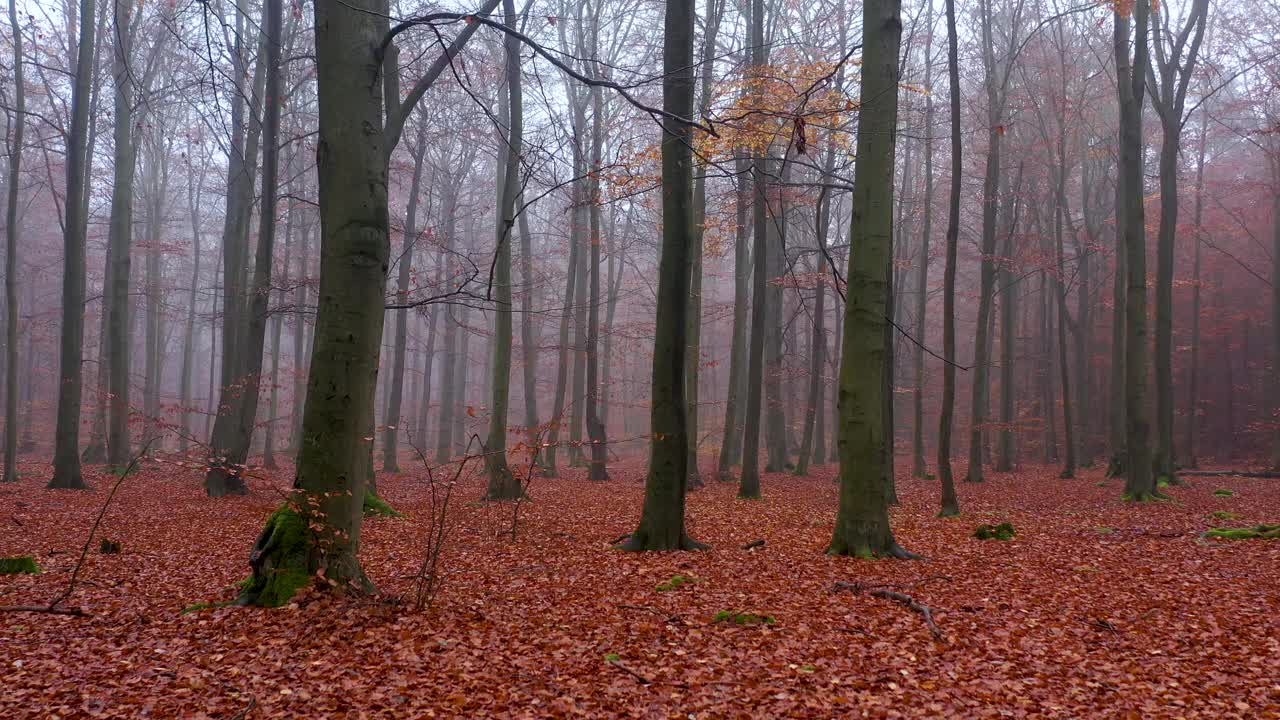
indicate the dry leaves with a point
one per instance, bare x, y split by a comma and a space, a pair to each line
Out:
1162, 623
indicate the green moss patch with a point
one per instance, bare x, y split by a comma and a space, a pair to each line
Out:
1257, 532
1003, 531
675, 583
279, 559
1223, 492
374, 505
1225, 515
743, 618
197, 607
19, 564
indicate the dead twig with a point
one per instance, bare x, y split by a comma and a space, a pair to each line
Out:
51, 610
924, 611
668, 617
754, 544
618, 664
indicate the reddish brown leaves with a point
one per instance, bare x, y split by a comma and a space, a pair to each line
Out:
1097, 607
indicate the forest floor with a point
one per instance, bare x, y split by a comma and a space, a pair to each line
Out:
1098, 608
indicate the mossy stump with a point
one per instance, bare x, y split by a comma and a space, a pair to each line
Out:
1003, 531
279, 560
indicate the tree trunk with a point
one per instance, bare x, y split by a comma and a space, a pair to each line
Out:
238, 396
394, 420
503, 484
950, 504
918, 466
662, 516
318, 530
11, 258
731, 443
66, 452
749, 483
862, 522
1140, 484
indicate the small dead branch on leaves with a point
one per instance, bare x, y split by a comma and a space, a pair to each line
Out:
244, 713
667, 617
52, 608
925, 611
754, 544
618, 664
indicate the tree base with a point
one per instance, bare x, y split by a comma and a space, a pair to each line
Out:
870, 549
694, 482
1115, 466
1067, 474
1145, 496
220, 483
95, 453
283, 559
641, 541
67, 481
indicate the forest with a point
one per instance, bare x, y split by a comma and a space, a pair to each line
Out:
622, 358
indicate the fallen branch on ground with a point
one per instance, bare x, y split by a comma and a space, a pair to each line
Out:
673, 619
77, 612
924, 610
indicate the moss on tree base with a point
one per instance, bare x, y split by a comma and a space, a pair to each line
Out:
279, 561
19, 564
376, 506
1152, 496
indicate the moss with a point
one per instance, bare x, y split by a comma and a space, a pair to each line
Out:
743, 618
675, 583
1003, 531
1101, 483
612, 657
1225, 515
282, 561
25, 564
1102, 530
1223, 492
1162, 481
374, 505
1257, 532
1145, 497
196, 607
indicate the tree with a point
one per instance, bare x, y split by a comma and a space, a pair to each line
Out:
918, 466
66, 450
1169, 78
950, 505
1139, 482
11, 257
503, 484
318, 529
862, 523
662, 516
235, 411
749, 482
395, 397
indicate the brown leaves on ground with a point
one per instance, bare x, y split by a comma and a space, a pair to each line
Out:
1098, 608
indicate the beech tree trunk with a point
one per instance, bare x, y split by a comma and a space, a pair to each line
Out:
662, 516
950, 504
862, 522
503, 484
318, 529
11, 258
66, 451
